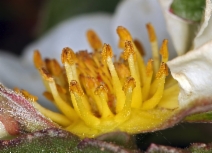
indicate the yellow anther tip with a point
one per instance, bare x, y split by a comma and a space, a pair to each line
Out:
89, 82
45, 74
68, 56
37, 59
129, 84
164, 50
101, 89
128, 49
123, 33
107, 51
56, 69
94, 40
151, 32
26, 94
162, 71
75, 88
149, 67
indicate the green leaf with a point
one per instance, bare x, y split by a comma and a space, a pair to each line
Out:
194, 148
189, 9
205, 117
57, 140
119, 138
56, 11
50, 140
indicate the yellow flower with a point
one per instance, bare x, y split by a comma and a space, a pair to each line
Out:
99, 93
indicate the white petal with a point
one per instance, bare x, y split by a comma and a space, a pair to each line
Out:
135, 14
71, 33
204, 35
193, 71
17, 73
181, 31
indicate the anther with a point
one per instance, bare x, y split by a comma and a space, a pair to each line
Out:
75, 88
129, 84
164, 51
68, 56
151, 31
107, 52
94, 40
37, 59
129, 50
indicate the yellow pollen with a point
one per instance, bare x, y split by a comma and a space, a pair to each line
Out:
124, 36
97, 93
45, 74
75, 88
129, 50
26, 94
151, 32
107, 52
94, 40
129, 84
37, 59
163, 71
164, 51
68, 56
149, 67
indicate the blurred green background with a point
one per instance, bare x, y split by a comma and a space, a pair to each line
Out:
22, 21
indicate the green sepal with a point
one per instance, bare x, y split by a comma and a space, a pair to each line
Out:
191, 10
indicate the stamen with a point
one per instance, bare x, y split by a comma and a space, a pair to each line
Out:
107, 54
154, 46
37, 59
56, 117
102, 92
94, 40
148, 80
48, 96
124, 35
55, 68
170, 97
128, 87
85, 114
122, 70
164, 51
139, 46
68, 58
59, 102
137, 98
26, 94
159, 86
90, 84
163, 71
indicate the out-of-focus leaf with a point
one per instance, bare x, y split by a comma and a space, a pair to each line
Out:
154, 148
49, 140
120, 138
18, 115
189, 9
57, 140
56, 11
194, 148
91, 145
200, 148
202, 117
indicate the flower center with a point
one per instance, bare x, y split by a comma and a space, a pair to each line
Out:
100, 92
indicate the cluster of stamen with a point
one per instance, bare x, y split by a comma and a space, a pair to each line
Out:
92, 90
